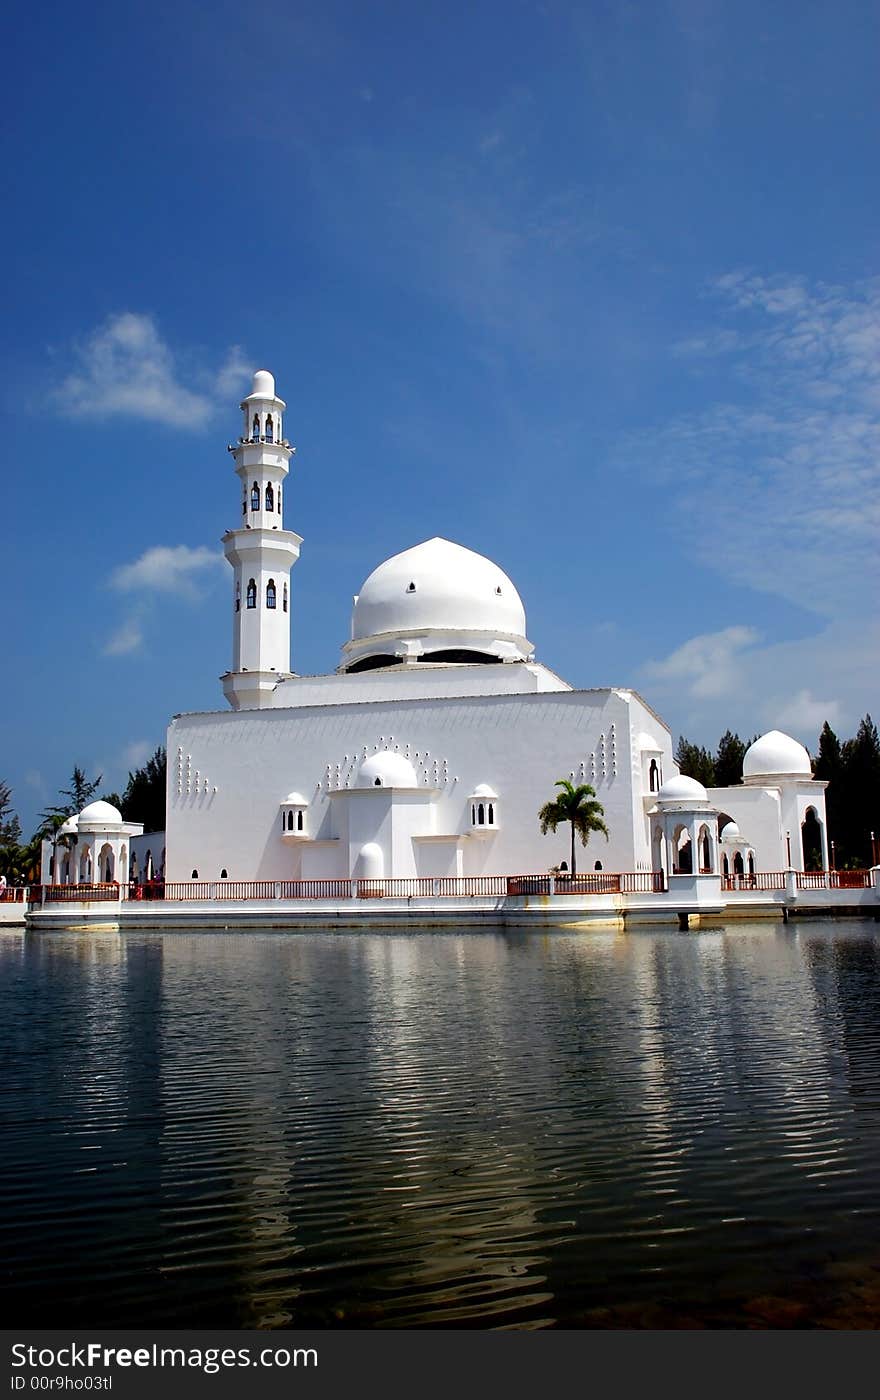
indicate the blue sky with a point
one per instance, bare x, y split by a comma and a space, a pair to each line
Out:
590, 288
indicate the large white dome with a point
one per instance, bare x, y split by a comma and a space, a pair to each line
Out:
436, 601
776, 755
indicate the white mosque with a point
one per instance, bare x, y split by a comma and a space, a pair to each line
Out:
432, 747
430, 750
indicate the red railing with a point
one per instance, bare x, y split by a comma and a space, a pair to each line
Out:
431, 887
14, 894
75, 894
834, 879
593, 883
315, 889
643, 882
851, 879
812, 879
760, 880
804, 880
221, 889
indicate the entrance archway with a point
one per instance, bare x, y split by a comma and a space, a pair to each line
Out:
811, 840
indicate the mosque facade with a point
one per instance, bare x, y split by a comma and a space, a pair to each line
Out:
431, 749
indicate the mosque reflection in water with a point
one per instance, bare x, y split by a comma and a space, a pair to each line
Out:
450, 1129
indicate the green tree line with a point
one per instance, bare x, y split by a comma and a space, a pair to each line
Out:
851, 769
142, 801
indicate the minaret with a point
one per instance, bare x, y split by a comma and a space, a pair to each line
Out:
261, 553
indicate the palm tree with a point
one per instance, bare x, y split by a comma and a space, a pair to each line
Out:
49, 829
574, 805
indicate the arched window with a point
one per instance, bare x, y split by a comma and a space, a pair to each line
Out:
299, 821
738, 867
725, 865
811, 840
654, 776
238, 595
473, 814
252, 593
270, 593
410, 588
255, 497
285, 597
598, 865
244, 504
223, 875
195, 875
255, 434
269, 437
377, 782
705, 850
279, 500
270, 496
481, 815
491, 814
751, 862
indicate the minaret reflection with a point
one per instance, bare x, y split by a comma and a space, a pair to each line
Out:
455, 1173
231, 1147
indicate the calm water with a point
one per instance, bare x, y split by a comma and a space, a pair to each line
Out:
508, 1130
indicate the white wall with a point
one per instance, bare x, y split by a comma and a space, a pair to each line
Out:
248, 761
757, 812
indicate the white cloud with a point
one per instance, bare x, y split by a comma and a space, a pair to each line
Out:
779, 475
706, 666
234, 374
791, 685
162, 569
127, 638
125, 369
805, 713
136, 753
166, 569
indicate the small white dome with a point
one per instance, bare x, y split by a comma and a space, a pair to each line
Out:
100, 814
263, 386
776, 755
484, 790
386, 769
68, 827
730, 832
294, 799
682, 790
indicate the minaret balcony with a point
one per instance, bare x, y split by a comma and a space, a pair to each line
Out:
254, 456
273, 441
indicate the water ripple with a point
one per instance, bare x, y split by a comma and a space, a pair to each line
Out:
442, 1130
